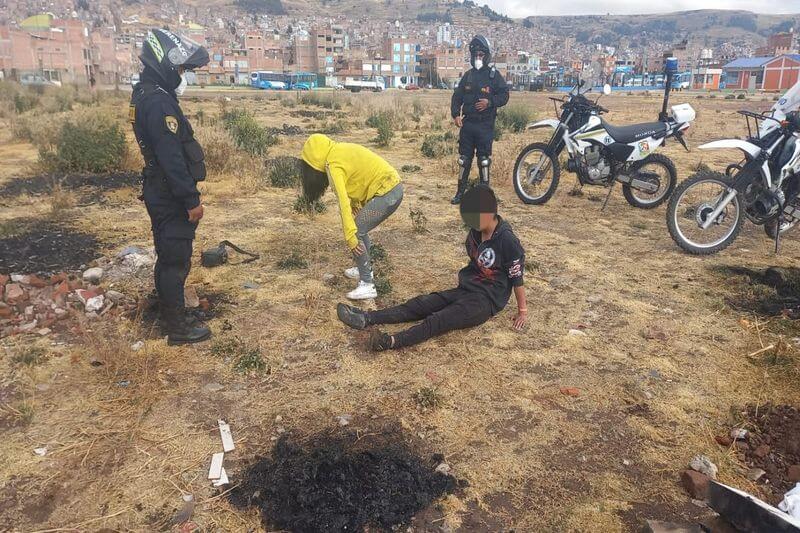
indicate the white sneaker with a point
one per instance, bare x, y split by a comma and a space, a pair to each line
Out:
364, 291
352, 273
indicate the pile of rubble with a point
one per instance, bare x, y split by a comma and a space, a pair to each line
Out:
41, 304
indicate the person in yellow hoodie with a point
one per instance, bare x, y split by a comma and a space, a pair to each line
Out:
368, 190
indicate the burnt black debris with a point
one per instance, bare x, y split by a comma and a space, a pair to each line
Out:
336, 482
773, 291
46, 248
90, 184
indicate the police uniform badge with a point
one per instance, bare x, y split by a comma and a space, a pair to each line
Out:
172, 123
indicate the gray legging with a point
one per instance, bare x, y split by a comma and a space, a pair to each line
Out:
373, 213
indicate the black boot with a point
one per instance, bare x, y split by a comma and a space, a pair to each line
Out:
181, 330
380, 341
462, 188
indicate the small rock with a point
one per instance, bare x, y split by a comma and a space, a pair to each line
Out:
703, 464
570, 391
44, 332
695, 483
723, 440
793, 473
761, 451
627, 462
344, 419
655, 374
42, 387
742, 446
699, 503
96, 362
115, 296
20, 278
213, 387
124, 383
594, 298
328, 278
738, 434
95, 304
41, 452
654, 333
648, 395
278, 418
576, 333
754, 474
130, 250
443, 468
190, 297
14, 293
657, 526
30, 326
93, 275
250, 285
136, 346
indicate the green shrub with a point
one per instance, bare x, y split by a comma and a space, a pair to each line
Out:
283, 171
218, 147
327, 101
248, 134
304, 207
86, 143
514, 118
419, 222
293, 261
436, 146
382, 285
740, 96
409, 169
25, 102
428, 398
377, 253
730, 96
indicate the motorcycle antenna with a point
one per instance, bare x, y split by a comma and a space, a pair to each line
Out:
670, 68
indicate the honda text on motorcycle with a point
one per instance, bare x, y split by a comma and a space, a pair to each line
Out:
706, 213
601, 153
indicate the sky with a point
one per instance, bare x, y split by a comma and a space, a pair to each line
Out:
524, 8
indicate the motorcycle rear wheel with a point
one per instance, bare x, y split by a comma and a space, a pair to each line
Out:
668, 173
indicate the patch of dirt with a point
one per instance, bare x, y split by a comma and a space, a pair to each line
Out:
778, 428
319, 115
342, 481
147, 311
771, 292
287, 129
46, 248
91, 186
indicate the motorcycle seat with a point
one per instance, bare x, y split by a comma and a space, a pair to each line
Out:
634, 132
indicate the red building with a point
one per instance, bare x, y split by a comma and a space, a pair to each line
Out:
781, 73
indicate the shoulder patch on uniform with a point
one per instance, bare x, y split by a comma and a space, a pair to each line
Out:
172, 123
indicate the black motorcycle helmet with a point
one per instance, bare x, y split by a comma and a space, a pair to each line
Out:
480, 43
163, 53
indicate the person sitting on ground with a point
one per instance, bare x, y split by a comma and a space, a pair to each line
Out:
368, 189
496, 265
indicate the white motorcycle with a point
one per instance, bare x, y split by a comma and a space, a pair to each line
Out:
602, 154
706, 213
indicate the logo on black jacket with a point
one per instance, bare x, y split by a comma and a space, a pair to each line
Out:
486, 259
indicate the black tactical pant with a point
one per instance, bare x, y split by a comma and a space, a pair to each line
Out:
173, 235
440, 312
476, 138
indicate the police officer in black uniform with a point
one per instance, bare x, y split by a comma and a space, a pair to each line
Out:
481, 91
173, 166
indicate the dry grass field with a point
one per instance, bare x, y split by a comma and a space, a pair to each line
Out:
662, 366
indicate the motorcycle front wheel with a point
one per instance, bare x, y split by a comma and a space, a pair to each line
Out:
536, 174
691, 204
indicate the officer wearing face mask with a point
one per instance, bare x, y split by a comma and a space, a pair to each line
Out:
481, 91
174, 163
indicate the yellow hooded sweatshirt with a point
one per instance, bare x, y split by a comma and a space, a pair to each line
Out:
356, 174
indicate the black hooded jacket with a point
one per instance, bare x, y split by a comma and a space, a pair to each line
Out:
475, 85
166, 140
495, 265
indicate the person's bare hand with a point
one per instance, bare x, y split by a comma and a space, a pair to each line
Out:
520, 319
360, 249
482, 105
195, 214
459, 120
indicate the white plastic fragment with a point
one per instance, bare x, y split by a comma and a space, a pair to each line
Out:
791, 502
215, 471
41, 452
225, 433
223, 479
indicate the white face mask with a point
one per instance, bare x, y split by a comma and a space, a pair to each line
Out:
478, 63
181, 86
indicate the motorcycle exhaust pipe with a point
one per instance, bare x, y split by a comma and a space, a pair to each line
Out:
639, 185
